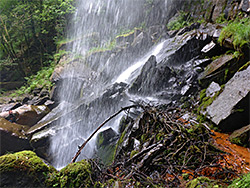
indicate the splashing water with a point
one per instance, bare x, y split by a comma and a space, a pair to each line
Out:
97, 23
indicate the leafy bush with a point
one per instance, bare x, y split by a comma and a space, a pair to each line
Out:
39, 80
238, 32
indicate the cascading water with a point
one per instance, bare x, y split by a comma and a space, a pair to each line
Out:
97, 23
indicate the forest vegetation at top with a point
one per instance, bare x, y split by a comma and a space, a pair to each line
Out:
29, 34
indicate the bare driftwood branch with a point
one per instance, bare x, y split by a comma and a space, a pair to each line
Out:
98, 128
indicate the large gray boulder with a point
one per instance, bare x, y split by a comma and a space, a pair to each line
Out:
231, 109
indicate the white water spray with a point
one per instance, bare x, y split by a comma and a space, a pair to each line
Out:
97, 23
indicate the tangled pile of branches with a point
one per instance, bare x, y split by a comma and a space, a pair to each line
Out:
161, 149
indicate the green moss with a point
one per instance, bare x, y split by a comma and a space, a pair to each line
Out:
206, 101
244, 66
73, 175
126, 34
120, 141
202, 182
134, 152
25, 161
107, 153
100, 139
24, 167
242, 182
236, 140
238, 31
203, 94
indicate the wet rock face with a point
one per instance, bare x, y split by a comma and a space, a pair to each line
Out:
153, 78
105, 137
174, 75
231, 109
40, 142
216, 65
212, 89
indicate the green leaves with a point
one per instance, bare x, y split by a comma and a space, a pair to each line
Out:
29, 29
238, 32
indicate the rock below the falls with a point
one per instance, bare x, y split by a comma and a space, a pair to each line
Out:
231, 109
27, 114
152, 79
212, 89
241, 136
40, 142
215, 66
12, 137
30, 114
106, 142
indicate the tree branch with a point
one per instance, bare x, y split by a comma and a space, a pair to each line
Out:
98, 128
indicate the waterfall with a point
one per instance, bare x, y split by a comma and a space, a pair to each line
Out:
96, 23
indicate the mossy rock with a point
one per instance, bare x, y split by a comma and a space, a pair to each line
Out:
202, 182
241, 136
73, 175
23, 169
106, 144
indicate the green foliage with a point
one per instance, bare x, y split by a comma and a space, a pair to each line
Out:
29, 30
221, 18
238, 31
39, 80
245, 66
181, 21
203, 182
242, 182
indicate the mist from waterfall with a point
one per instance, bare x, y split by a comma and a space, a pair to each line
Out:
97, 22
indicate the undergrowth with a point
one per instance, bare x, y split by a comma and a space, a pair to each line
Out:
181, 21
39, 80
238, 31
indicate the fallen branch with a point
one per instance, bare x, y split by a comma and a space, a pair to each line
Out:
98, 128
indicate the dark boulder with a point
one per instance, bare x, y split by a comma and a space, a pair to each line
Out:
13, 137
153, 78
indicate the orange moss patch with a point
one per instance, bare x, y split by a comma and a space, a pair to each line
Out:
237, 157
